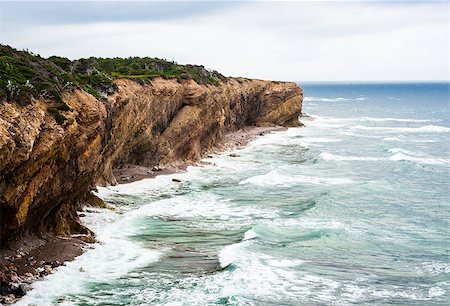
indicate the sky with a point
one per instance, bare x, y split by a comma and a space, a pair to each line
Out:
277, 40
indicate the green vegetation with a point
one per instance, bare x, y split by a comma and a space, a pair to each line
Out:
24, 75
58, 117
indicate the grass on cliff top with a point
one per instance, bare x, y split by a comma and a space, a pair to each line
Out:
24, 75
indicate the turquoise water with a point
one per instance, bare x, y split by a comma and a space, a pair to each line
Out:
354, 208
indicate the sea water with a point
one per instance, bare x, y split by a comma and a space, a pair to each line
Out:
353, 208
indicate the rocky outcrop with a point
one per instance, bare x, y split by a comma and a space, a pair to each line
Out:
47, 166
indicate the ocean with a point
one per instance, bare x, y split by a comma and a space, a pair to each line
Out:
352, 208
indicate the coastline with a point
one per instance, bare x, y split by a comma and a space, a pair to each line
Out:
32, 258
232, 141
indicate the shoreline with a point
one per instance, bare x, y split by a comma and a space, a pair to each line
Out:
236, 140
30, 259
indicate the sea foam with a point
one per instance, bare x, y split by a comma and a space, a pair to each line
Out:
422, 129
330, 157
339, 99
273, 178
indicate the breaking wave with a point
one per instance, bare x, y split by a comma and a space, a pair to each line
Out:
340, 99
273, 178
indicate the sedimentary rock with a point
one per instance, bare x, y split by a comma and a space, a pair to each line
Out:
47, 168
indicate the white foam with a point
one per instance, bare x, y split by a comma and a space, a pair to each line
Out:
273, 178
250, 234
339, 99
422, 129
309, 140
395, 138
228, 255
285, 263
396, 119
402, 138
400, 150
422, 160
331, 157
161, 182
435, 291
111, 259
436, 268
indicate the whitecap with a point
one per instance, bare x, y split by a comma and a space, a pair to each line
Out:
422, 160
435, 291
309, 140
399, 150
285, 263
395, 138
273, 178
397, 119
402, 138
250, 234
330, 157
228, 254
422, 129
339, 99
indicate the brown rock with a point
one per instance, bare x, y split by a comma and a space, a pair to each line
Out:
46, 169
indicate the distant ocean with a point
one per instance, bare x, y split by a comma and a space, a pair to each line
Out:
353, 208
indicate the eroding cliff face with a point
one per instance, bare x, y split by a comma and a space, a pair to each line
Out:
46, 169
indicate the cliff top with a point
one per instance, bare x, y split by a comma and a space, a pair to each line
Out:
24, 75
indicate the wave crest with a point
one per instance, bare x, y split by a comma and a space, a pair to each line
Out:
273, 178
328, 157
339, 99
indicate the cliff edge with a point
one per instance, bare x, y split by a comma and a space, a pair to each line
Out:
51, 157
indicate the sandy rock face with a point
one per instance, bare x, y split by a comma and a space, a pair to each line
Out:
46, 169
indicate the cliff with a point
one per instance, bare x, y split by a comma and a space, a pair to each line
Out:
51, 157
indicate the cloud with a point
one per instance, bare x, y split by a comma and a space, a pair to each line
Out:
269, 40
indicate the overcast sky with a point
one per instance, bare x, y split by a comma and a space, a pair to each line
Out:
299, 41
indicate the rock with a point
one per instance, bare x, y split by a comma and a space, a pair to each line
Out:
176, 180
9, 299
60, 299
14, 278
19, 291
87, 238
5, 288
234, 155
157, 123
41, 272
56, 263
81, 269
125, 178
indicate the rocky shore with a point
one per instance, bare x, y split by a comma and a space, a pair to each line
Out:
55, 149
232, 141
31, 259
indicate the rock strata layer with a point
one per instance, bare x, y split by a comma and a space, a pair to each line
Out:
47, 168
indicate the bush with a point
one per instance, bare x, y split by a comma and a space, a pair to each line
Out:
58, 117
24, 75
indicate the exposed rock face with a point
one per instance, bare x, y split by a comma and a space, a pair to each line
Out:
46, 169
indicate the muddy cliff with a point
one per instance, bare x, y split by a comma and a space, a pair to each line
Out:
51, 160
